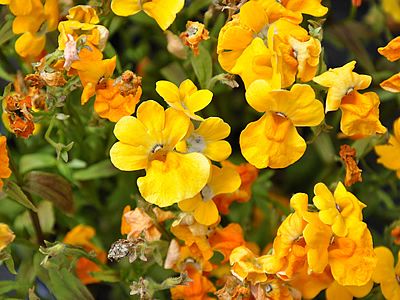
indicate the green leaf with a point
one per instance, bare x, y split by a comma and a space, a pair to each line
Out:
7, 286
101, 169
202, 66
51, 187
65, 286
174, 73
36, 161
15, 193
107, 276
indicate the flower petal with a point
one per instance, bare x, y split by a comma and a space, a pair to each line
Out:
128, 158
125, 7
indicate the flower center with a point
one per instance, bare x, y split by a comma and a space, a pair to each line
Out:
338, 207
158, 152
196, 143
263, 33
206, 193
398, 278
268, 288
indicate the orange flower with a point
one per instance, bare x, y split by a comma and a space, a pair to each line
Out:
248, 174
392, 50
80, 236
353, 173
392, 84
197, 289
111, 104
5, 171
226, 239
135, 222
395, 233
195, 33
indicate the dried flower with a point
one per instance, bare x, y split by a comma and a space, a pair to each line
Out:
353, 172
195, 33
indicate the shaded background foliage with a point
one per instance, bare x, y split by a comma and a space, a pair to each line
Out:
100, 191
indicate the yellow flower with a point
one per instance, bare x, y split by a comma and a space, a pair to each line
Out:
386, 274
293, 9
186, 98
31, 17
207, 139
163, 11
112, 105
222, 180
307, 54
352, 258
392, 8
389, 153
246, 266
360, 115
90, 72
392, 50
148, 142
5, 171
392, 84
238, 34
6, 236
341, 82
340, 210
337, 291
278, 142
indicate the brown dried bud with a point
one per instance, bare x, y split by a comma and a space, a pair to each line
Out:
19, 112
34, 80
53, 79
175, 45
129, 83
353, 173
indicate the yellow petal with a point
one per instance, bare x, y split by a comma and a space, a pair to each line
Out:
129, 158
385, 265
253, 16
152, 115
21, 8
224, 180
217, 151
198, 100
125, 7
213, 129
277, 145
168, 91
191, 204
163, 11
129, 130
179, 177
337, 291
206, 213
29, 45
176, 126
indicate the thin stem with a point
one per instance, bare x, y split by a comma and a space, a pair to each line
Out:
33, 215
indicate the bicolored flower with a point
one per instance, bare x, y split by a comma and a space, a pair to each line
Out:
207, 138
222, 180
341, 82
148, 142
247, 266
360, 115
387, 274
278, 142
248, 174
5, 171
389, 153
184, 98
341, 210
81, 236
163, 11
6, 236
